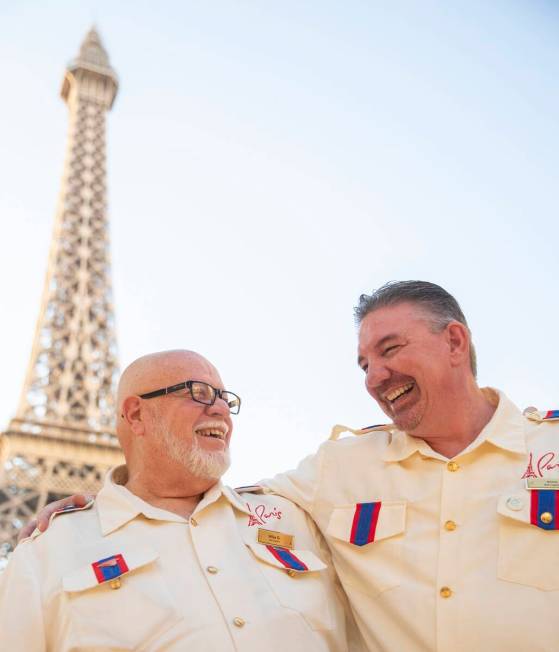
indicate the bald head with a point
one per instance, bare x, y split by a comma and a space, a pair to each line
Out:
158, 370
174, 444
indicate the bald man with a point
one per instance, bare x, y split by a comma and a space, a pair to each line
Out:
167, 558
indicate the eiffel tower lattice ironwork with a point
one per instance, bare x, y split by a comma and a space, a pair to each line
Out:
62, 439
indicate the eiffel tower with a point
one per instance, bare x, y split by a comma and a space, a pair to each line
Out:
62, 438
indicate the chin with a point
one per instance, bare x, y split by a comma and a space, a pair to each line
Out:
208, 465
408, 422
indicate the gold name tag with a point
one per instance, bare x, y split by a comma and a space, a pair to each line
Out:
542, 483
272, 538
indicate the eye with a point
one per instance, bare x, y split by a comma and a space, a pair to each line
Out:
390, 349
364, 368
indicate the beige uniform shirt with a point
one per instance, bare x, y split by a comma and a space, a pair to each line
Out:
448, 558
204, 584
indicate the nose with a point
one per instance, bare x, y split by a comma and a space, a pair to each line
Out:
376, 375
219, 408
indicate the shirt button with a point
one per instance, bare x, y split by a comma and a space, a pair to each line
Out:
238, 622
515, 503
445, 592
193, 522
450, 526
212, 569
546, 518
453, 466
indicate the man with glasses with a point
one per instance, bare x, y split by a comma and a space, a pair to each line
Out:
443, 524
166, 557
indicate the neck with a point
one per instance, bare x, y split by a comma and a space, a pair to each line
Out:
469, 413
166, 497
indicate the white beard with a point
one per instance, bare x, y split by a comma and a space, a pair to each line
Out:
202, 464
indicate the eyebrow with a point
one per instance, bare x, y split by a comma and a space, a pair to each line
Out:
379, 344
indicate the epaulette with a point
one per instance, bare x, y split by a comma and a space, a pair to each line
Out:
251, 489
539, 416
337, 430
64, 510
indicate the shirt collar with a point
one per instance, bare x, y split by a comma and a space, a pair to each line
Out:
504, 430
236, 500
216, 492
116, 505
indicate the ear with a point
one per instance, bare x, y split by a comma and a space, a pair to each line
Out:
131, 411
458, 342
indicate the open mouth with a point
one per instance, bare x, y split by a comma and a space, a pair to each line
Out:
212, 431
396, 394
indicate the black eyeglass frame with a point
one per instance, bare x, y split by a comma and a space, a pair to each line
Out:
187, 384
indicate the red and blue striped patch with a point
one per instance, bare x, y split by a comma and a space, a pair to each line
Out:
109, 568
364, 523
287, 558
551, 414
544, 500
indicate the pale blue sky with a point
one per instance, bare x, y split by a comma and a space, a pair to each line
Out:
268, 162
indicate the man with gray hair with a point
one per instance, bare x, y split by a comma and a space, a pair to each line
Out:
167, 558
443, 523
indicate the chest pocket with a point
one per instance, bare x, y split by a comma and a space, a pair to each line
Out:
118, 603
528, 553
299, 580
368, 539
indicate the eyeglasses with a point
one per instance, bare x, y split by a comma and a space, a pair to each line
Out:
201, 393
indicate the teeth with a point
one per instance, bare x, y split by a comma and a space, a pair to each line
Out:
393, 395
214, 429
211, 433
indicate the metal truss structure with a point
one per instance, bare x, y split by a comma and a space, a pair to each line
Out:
62, 439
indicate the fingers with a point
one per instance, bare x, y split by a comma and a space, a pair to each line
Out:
43, 517
27, 530
77, 500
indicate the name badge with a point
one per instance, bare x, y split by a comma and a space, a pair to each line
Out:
273, 538
542, 483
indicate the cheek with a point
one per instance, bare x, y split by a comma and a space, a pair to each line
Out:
368, 382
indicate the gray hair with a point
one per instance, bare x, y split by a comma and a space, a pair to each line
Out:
441, 306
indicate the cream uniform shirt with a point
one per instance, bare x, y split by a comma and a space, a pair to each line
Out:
203, 584
438, 554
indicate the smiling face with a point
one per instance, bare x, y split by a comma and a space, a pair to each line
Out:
173, 445
409, 368
188, 433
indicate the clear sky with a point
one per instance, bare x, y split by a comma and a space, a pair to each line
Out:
268, 162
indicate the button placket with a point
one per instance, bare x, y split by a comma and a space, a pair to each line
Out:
451, 515
217, 557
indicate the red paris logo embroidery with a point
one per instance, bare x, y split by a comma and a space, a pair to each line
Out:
260, 516
545, 462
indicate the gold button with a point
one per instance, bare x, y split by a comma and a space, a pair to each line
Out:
193, 522
445, 592
546, 518
291, 573
450, 526
453, 466
116, 583
238, 622
212, 570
